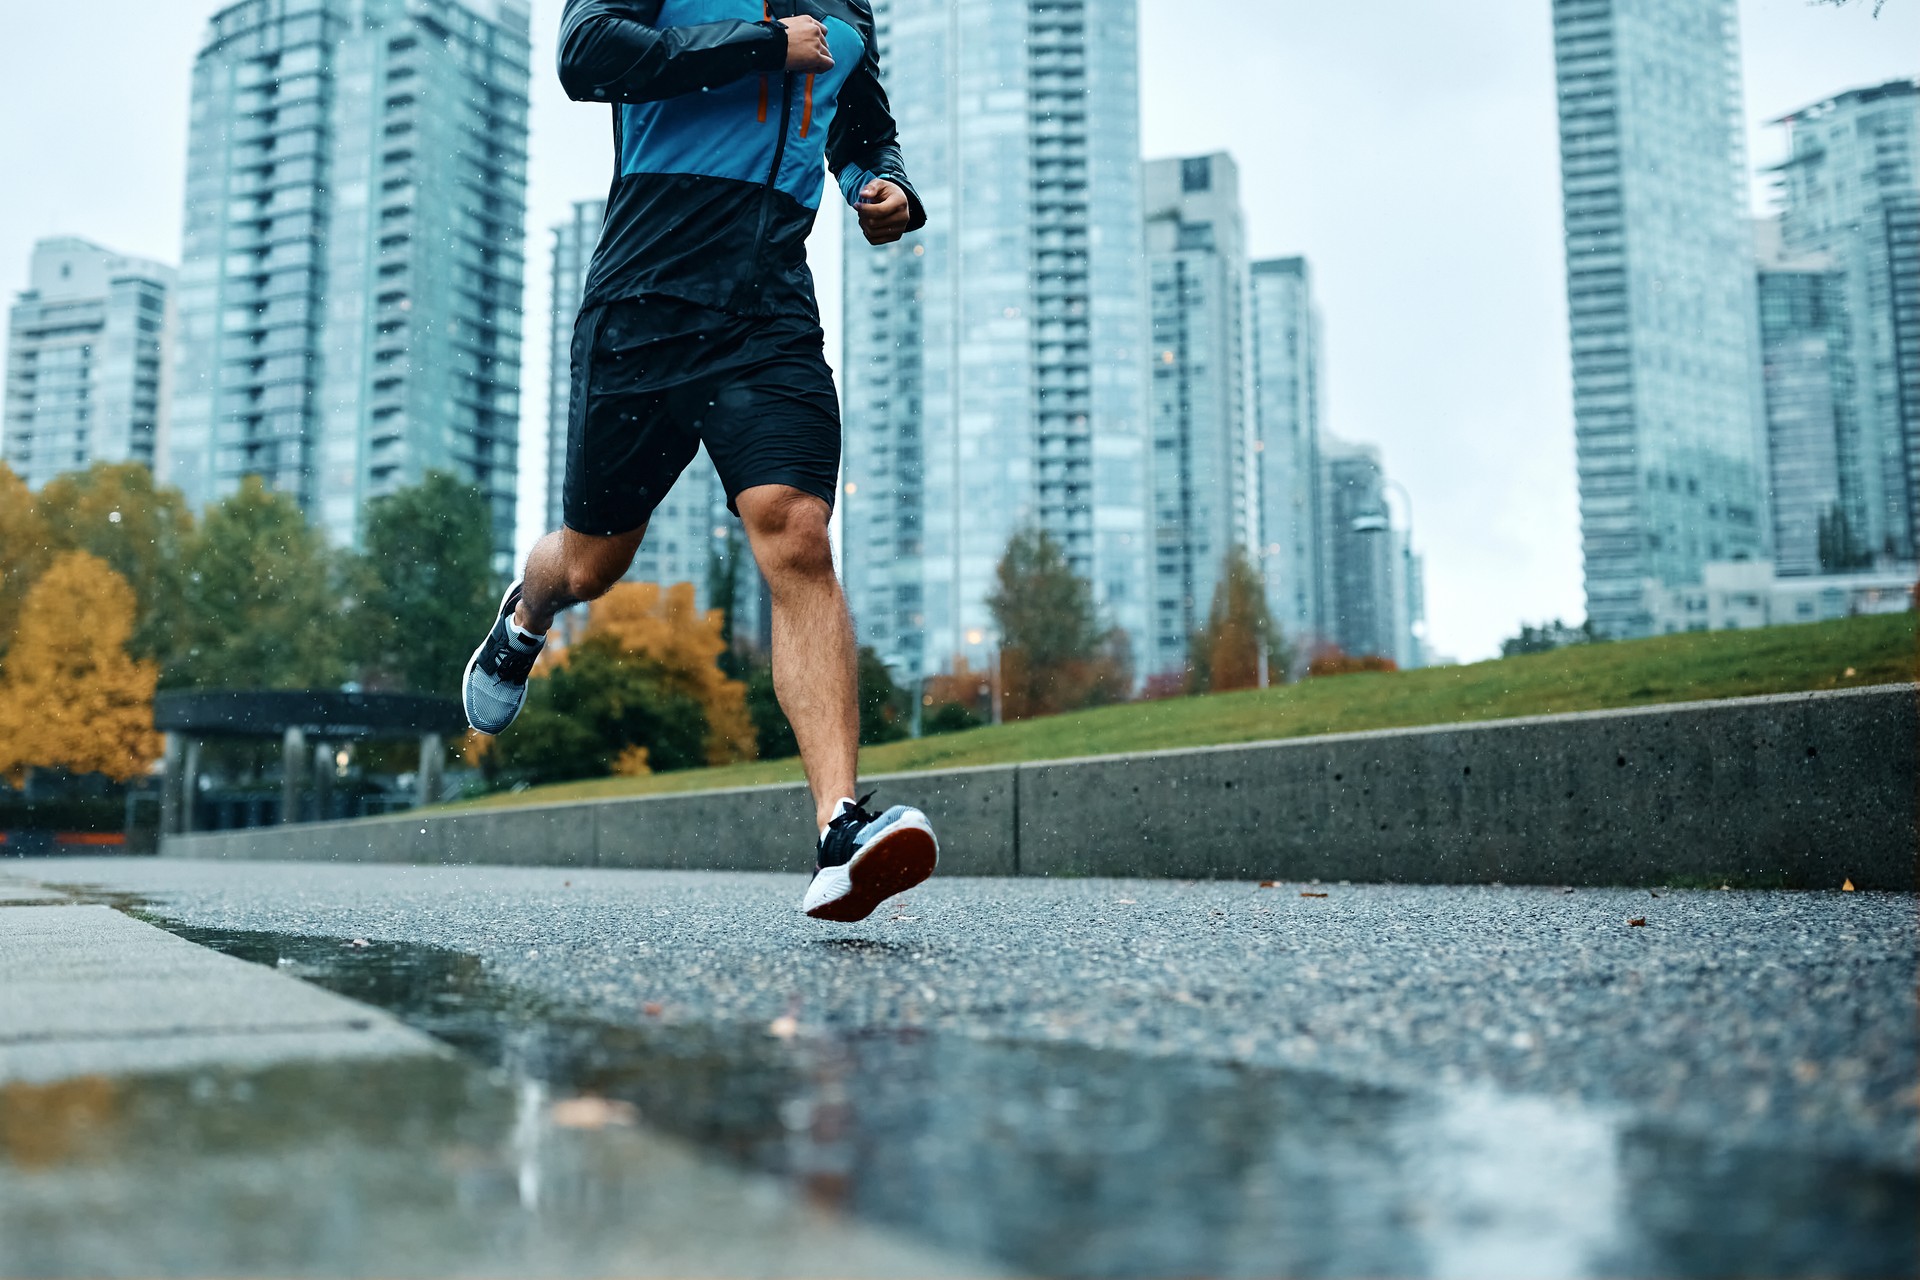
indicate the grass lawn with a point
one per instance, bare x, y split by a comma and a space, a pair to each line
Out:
1681, 668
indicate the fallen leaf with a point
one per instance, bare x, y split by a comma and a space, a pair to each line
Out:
1269, 884
1638, 922
653, 1009
1848, 672
1313, 895
1846, 886
592, 1113
784, 1027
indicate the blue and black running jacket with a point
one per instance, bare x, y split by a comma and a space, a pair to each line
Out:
718, 148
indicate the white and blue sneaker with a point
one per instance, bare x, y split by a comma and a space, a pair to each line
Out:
495, 685
864, 860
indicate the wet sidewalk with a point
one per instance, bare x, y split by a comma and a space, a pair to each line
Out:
655, 1074
169, 1110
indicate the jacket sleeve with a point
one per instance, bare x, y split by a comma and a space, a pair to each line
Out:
864, 144
611, 51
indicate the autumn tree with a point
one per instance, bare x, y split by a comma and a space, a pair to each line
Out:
261, 605
117, 512
70, 695
1225, 653
605, 709
23, 549
421, 585
1056, 655
663, 625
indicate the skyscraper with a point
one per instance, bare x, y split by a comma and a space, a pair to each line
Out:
1285, 343
1660, 293
86, 350
996, 362
1820, 506
573, 244
1850, 190
1365, 600
1203, 499
353, 261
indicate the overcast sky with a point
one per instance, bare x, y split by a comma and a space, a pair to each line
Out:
1407, 147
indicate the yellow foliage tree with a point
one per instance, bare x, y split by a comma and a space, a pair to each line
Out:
70, 696
23, 548
664, 625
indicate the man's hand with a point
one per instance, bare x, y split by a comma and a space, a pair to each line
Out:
883, 211
807, 45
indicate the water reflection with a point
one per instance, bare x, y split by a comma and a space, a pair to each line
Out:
1061, 1159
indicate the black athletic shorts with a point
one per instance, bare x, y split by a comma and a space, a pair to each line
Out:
656, 377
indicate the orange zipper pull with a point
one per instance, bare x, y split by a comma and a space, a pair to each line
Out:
806, 110
766, 15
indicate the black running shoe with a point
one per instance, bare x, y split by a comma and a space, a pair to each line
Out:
865, 860
495, 685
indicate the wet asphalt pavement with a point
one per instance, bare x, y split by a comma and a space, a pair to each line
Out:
1129, 1078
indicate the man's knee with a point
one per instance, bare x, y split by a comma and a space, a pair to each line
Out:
594, 566
789, 534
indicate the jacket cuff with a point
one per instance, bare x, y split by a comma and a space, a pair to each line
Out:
853, 180
773, 53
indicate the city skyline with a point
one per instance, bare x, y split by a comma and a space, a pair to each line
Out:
1491, 565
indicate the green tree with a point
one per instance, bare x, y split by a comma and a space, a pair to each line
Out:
883, 705
1225, 653
1547, 637
24, 553
261, 601
115, 511
588, 714
1056, 655
773, 735
424, 585
725, 558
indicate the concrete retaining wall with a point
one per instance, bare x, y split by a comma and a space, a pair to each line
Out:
1802, 790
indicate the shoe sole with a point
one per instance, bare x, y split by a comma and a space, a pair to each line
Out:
890, 864
467, 673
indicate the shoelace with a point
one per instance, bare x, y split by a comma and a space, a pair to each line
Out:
857, 811
512, 664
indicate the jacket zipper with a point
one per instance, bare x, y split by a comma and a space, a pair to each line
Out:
773, 173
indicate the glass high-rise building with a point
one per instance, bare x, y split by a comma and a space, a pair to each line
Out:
573, 243
86, 360
353, 259
995, 368
1285, 346
1850, 190
1365, 600
1203, 500
1820, 507
1660, 294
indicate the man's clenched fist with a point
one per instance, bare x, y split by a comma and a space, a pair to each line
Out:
883, 212
807, 45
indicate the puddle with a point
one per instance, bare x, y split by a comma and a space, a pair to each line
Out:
1059, 1159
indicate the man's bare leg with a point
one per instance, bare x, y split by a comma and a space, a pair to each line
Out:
813, 640
566, 568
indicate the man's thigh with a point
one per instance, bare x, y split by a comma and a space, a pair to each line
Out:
626, 443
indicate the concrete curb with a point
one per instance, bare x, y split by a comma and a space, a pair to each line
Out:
1795, 791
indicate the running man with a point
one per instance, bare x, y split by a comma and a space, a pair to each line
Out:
699, 325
